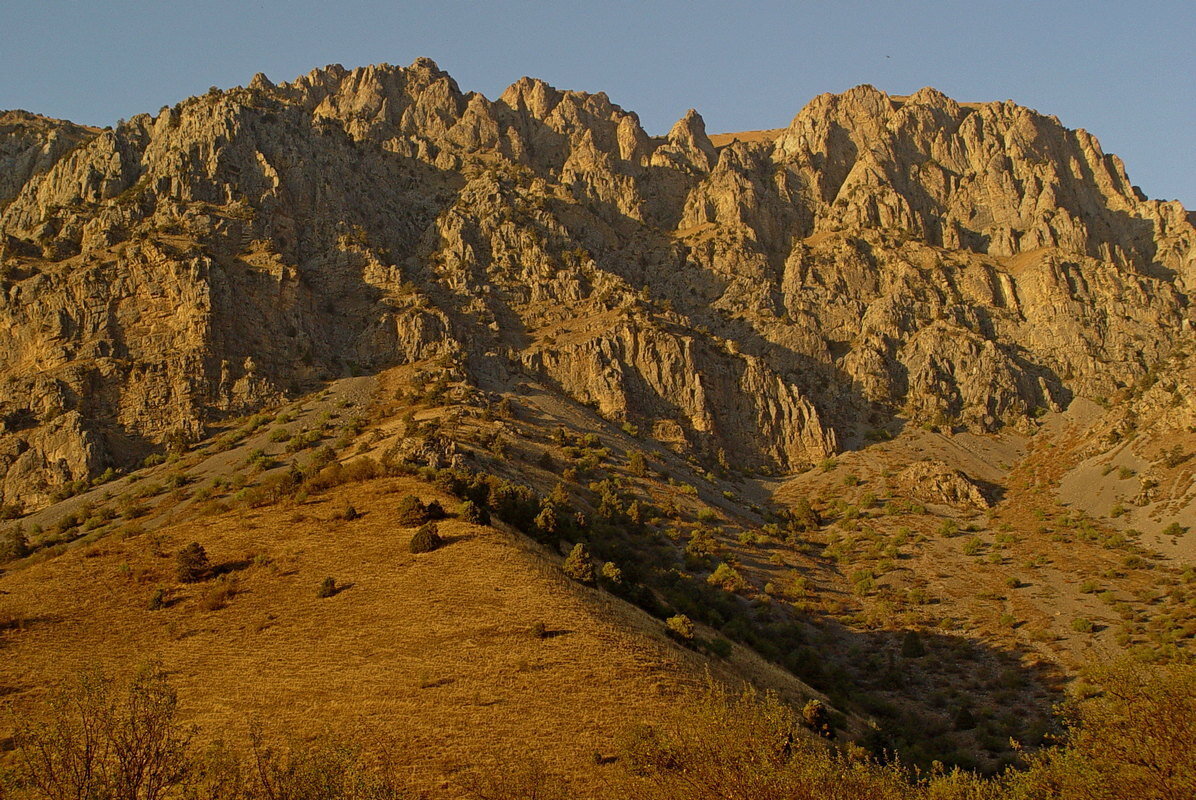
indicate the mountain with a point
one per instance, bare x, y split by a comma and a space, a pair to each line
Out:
881, 259
906, 364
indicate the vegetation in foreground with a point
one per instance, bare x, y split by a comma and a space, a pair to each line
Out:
1132, 733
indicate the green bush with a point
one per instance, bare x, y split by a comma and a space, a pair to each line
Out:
411, 511
13, 545
728, 578
815, 717
1174, 530
191, 563
157, 600
471, 512
681, 627
611, 574
426, 539
579, 564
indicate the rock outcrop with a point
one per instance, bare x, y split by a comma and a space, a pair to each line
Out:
962, 264
936, 482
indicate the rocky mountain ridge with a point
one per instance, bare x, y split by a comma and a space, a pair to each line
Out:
881, 262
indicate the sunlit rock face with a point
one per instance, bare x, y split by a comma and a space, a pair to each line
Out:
945, 263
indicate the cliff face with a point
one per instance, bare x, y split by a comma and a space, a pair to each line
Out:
882, 257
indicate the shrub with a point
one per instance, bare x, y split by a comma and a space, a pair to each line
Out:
681, 627
546, 521
1174, 530
157, 600
911, 645
579, 564
1136, 738
1175, 456
426, 539
471, 512
191, 563
106, 740
412, 511
815, 717
349, 513
1082, 625
327, 587
13, 545
612, 574
728, 578
803, 517
435, 511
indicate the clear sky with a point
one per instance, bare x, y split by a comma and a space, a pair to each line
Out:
1126, 71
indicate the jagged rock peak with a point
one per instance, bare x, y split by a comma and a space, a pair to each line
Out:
688, 135
532, 95
962, 264
690, 130
261, 82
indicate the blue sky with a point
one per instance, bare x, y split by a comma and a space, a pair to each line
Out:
1126, 71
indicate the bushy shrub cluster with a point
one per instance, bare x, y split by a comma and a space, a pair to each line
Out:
191, 563
14, 544
426, 539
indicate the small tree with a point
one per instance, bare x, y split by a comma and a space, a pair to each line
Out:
546, 521
728, 578
803, 517
472, 513
13, 544
579, 564
680, 627
412, 511
327, 587
426, 539
105, 740
817, 718
191, 563
911, 645
612, 574
157, 600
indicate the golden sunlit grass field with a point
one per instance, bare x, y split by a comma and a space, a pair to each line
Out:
440, 652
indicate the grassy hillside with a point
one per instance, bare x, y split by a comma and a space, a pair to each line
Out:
931, 627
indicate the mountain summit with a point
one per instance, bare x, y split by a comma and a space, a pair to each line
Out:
881, 259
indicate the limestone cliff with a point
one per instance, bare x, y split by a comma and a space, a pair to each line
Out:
884, 258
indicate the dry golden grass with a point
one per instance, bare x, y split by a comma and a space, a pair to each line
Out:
435, 650
769, 135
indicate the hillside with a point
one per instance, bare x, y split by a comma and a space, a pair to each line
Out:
893, 403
